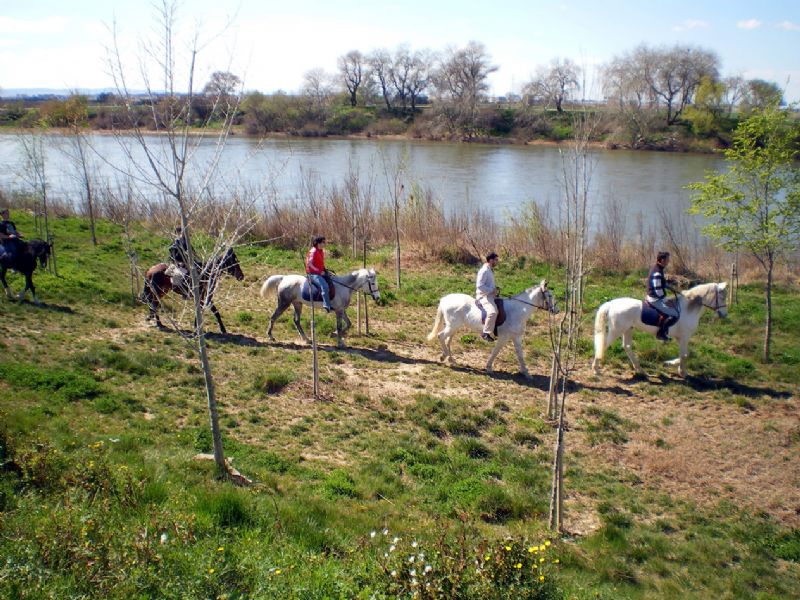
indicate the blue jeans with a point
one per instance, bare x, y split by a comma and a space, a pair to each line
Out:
322, 284
661, 306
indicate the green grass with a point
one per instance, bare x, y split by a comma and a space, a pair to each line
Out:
100, 419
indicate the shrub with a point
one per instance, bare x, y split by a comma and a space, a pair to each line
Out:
339, 483
227, 507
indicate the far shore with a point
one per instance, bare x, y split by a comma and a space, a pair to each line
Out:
492, 141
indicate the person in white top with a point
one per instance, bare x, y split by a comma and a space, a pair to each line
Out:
485, 293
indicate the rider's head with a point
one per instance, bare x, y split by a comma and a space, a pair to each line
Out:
492, 258
4, 213
319, 240
663, 258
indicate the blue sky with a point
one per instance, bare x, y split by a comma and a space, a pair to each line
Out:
57, 44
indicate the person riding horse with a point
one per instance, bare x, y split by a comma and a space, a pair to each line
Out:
657, 285
9, 236
485, 293
317, 273
179, 254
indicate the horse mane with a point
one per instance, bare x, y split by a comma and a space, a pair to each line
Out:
348, 279
694, 296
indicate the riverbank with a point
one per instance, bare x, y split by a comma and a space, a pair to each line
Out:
675, 488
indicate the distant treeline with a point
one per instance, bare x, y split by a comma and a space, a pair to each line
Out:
670, 98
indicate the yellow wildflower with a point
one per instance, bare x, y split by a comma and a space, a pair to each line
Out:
533, 549
220, 549
508, 548
547, 543
518, 566
541, 577
541, 560
277, 571
211, 570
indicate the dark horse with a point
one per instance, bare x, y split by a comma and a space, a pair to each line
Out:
157, 283
24, 261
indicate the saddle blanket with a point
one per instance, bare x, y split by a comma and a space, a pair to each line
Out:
317, 291
650, 316
501, 313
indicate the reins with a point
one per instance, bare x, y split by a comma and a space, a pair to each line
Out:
528, 303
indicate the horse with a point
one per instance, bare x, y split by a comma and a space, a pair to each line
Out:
290, 288
621, 315
24, 261
461, 310
157, 283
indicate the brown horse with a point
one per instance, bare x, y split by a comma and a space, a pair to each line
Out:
157, 283
24, 261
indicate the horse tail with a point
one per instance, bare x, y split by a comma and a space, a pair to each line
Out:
437, 324
270, 284
600, 331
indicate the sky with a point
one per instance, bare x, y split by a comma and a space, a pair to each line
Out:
270, 44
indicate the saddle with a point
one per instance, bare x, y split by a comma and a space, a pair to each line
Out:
501, 313
651, 316
318, 291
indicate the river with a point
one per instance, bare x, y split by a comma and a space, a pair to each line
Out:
500, 178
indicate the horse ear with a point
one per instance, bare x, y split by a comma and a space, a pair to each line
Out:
722, 286
543, 284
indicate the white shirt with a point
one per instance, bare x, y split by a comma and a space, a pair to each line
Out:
484, 283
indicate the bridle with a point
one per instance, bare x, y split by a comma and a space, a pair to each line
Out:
718, 307
548, 308
372, 291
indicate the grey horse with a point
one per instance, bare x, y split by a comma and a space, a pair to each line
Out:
290, 287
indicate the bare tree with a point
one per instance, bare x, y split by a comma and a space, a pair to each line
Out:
577, 169
351, 70
417, 78
77, 150
461, 81
318, 86
172, 167
380, 67
556, 83
735, 91
34, 174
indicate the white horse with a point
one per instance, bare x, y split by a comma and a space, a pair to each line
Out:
459, 310
290, 294
618, 317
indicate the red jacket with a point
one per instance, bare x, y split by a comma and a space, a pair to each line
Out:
315, 261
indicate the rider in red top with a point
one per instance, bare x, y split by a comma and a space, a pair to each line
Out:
315, 267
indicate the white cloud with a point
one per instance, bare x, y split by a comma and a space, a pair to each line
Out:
691, 24
788, 26
749, 24
48, 25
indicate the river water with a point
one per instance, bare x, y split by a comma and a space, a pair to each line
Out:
500, 178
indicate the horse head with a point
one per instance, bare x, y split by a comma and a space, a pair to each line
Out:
721, 299
549, 300
41, 251
230, 265
372, 285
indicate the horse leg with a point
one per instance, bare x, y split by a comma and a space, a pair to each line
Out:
493, 354
218, 316
29, 286
9, 293
279, 310
627, 344
680, 362
339, 330
444, 339
298, 308
521, 357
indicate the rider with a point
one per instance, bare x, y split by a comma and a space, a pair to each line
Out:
179, 253
315, 267
657, 295
9, 236
485, 293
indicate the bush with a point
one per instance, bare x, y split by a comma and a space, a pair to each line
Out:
339, 484
273, 381
227, 507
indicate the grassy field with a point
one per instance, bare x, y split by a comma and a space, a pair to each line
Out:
407, 478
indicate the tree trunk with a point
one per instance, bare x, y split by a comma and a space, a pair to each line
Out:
768, 329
